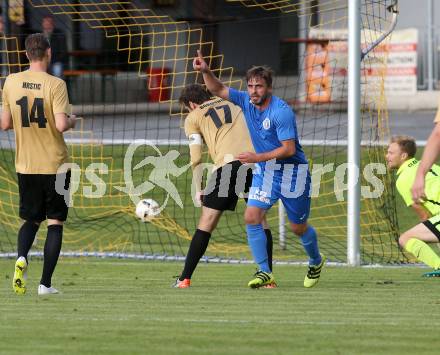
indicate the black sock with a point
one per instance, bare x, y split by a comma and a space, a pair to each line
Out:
197, 248
26, 236
52, 249
269, 247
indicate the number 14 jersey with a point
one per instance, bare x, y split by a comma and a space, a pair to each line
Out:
33, 98
223, 128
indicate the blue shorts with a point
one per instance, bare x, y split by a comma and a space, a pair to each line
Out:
297, 202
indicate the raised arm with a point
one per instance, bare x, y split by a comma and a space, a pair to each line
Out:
214, 85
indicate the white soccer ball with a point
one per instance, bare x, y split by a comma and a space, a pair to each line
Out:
147, 209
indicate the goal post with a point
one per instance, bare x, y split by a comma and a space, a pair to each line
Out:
354, 116
354, 133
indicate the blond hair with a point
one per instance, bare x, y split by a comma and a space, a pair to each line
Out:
406, 143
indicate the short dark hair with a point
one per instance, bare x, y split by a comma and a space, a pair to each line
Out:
36, 46
195, 93
262, 72
407, 144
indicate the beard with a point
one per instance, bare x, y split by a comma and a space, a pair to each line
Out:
262, 100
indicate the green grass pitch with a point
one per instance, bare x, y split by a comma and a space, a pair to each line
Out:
113, 306
116, 306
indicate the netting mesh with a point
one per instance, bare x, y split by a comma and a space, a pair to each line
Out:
142, 49
301, 6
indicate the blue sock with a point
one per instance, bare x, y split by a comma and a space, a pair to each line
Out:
310, 244
257, 242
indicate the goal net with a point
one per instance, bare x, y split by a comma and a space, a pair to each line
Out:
125, 69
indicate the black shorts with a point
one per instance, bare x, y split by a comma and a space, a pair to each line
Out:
39, 199
433, 224
226, 184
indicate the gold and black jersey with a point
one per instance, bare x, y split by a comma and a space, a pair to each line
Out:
223, 128
33, 98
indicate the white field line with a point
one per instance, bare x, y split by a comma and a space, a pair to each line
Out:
168, 142
153, 257
354, 322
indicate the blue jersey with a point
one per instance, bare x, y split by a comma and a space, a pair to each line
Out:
269, 127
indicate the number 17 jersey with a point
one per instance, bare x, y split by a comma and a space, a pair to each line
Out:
33, 99
223, 128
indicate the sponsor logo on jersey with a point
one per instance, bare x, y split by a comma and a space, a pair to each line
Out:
259, 195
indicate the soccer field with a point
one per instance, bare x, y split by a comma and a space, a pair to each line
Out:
113, 307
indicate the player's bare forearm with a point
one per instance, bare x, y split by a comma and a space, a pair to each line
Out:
431, 152
6, 121
195, 152
430, 155
279, 153
72, 121
64, 122
197, 176
282, 152
421, 212
214, 85
424, 217
5, 127
286, 150
195, 164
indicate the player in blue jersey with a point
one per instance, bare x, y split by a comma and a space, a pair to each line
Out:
282, 168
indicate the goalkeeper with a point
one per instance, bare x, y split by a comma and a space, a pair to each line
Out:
400, 156
221, 125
